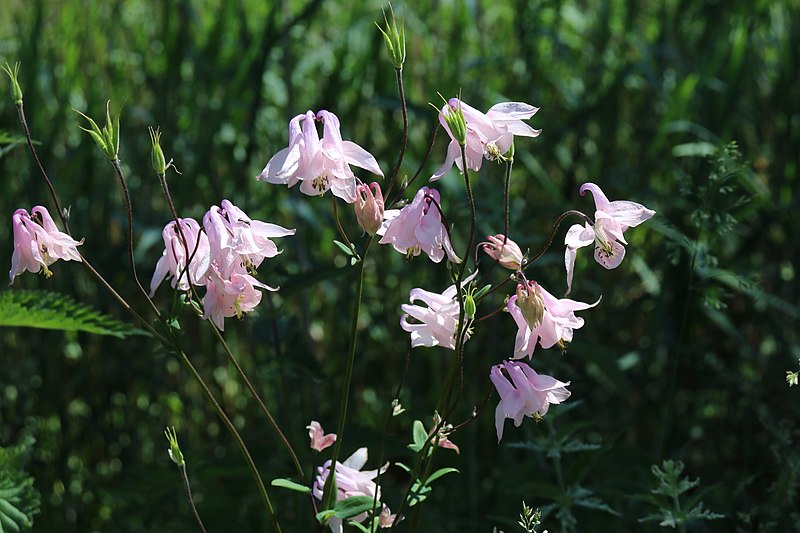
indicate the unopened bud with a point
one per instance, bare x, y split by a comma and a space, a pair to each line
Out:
156, 154
395, 40
369, 207
530, 302
16, 91
107, 139
454, 117
508, 254
174, 450
469, 306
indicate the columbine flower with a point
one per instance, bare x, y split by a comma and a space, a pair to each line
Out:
509, 255
386, 518
173, 259
319, 440
489, 135
418, 227
543, 318
369, 207
434, 325
230, 296
319, 164
523, 393
38, 243
350, 481
611, 221
444, 434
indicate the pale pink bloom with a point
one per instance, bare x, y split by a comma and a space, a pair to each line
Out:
319, 440
38, 243
444, 434
369, 207
611, 221
553, 323
386, 518
173, 259
508, 255
523, 393
434, 325
350, 481
489, 135
238, 242
229, 296
418, 227
319, 164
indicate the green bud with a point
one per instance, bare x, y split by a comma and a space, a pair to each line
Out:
395, 40
530, 302
16, 91
156, 154
107, 139
174, 450
456, 122
469, 306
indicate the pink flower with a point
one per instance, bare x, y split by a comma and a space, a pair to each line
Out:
489, 135
173, 259
523, 393
611, 221
229, 296
418, 227
369, 207
319, 441
434, 325
386, 518
543, 318
350, 481
319, 164
509, 255
38, 243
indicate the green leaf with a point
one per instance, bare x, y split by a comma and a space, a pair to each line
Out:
19, 501
291, 485
439, 473
351, 506
419, 435
344, 248
50, 310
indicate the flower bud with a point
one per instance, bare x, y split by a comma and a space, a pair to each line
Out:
456, 121
174, 450
107, 139
509, 255
156, 154
16, 91
530, 302
395, 40
369, 207
469, 306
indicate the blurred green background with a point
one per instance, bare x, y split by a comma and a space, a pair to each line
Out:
685, 358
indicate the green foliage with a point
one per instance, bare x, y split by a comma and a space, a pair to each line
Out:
19, 500
49, 310
673, 510
291, 485
347, 508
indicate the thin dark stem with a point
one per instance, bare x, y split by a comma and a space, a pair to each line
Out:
484, 317
261, 404
506, 224
552, 236
191, 500
328, 496
477, 412
399, 75
339, 224
129, 210
444, 219
421, 166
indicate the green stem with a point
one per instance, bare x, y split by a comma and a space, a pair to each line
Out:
191, 500
399, 75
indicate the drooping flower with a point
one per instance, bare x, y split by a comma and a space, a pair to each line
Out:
232, 295
542, 318
434, 325
174, 258
369, 207
489, 135
319, 164
611, 221
508, 255
350, 481
418, 227
319, 440
523, 393
444, 434
38, 243
386, 518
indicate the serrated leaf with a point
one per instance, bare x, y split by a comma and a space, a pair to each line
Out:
50, 310
291, 485
19, 501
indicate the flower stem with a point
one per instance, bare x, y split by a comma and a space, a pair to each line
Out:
191, 500
339, 224
399, 75
419, 169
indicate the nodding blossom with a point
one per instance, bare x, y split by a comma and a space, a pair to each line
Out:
542, 318
523, 393
611, 219
319, 164
508, 254
418, 228
174, 258
350, 481
38, 243
369, 207
231, 295
319, 440
436, 324
489, 135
